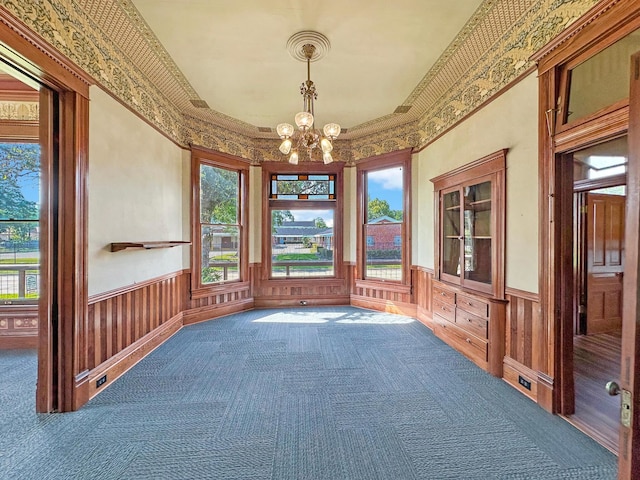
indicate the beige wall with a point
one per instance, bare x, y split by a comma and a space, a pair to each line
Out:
255, 214
136, 193
350, 214
510, 121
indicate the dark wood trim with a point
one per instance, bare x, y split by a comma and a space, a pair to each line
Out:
401, 158
382, 305
116, 366
202, 156
211, 312
37, 59
492, 163
597, 183
395, 287
544, 353
99, 297
220, 289
629, 447
428, 270
337, 206
512, 370
532, 297
19, 130
611, 124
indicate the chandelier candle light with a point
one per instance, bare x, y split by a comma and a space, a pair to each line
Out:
307, 136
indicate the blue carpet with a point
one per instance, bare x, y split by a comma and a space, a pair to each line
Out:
313, 393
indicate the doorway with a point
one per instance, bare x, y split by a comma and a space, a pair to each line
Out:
599, 201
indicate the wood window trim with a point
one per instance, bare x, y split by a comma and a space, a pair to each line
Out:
204, 156
401, 158
269, 168
489, 168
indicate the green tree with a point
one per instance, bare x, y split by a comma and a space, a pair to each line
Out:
19, 161
320, 223
278, 217
218, 205
377, 208
19, 164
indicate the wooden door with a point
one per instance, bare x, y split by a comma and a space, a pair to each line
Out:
629, 447
605, 262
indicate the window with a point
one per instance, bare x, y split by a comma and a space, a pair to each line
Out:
19, 222
599, 81
382, 184
219, 249
302, 222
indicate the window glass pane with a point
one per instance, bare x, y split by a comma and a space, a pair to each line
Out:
302, 243
384, 228
384, 195
383, 255
451, 233
303, 187
477, 232
220, 253
599, 161
603, 79
218, 195
19, 225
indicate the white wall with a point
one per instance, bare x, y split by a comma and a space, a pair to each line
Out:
136, 193
510, 121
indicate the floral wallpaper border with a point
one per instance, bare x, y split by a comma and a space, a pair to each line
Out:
66, 26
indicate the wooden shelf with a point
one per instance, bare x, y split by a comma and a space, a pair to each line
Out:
117, 246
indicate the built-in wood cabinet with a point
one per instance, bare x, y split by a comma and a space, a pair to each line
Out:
471, 323
468, 303
470, 233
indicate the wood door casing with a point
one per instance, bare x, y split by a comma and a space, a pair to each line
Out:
605, 262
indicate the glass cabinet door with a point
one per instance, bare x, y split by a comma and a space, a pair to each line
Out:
477, 232
451, 233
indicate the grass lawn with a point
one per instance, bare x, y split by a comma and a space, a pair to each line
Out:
288, 257
20, 261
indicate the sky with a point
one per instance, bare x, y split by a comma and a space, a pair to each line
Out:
386, 185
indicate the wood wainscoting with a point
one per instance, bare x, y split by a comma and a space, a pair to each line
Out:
291, 292
422, 281
390, 297
126, 324
218, 301
18, 326
521, 365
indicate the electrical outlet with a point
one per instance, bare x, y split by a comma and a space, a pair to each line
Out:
101, 381
524, 382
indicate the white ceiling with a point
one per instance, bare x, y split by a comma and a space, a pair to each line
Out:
234, 53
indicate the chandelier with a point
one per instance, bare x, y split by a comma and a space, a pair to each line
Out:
307, 137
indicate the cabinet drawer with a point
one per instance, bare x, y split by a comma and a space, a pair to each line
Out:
443, 295
473, 305
469, 345
445, 310
472, 323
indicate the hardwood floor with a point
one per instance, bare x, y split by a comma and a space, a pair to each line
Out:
597, 361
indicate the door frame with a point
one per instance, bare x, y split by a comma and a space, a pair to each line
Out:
62, 346
607, 22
